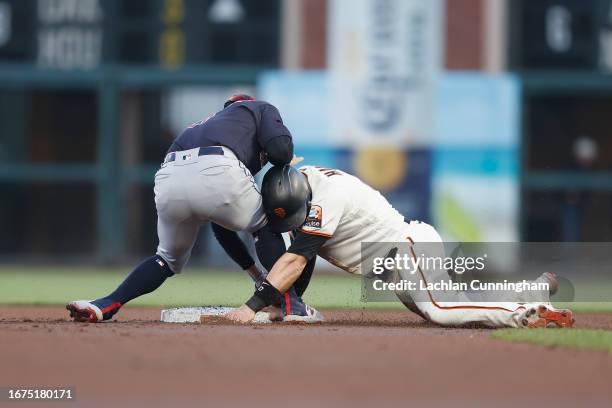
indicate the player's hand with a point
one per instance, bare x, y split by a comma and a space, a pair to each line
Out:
296, 160
243, 314
275, 314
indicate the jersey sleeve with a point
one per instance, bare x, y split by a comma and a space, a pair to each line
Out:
279, 150
307, 245
325, 214
271, 125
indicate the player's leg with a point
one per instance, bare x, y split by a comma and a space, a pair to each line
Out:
176, 240
145, 278
295, 309
270, 247
237, 207
447, 307
177, 232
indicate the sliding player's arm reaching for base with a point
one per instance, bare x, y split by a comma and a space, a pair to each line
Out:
284, 274
289, 210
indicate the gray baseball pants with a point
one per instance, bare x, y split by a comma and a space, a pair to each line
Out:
192, 189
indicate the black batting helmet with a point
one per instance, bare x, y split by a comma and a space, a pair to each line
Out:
286, 198
236, 98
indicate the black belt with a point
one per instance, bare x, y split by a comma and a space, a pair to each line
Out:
204, 151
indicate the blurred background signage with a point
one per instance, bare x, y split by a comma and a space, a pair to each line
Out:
488, 118
383, 57
83, 34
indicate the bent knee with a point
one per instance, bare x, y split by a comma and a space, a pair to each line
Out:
175, 263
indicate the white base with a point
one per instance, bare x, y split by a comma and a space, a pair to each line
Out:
193, 314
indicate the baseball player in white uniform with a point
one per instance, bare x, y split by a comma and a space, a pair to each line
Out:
331, 213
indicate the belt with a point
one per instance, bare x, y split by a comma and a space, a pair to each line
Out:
204, 151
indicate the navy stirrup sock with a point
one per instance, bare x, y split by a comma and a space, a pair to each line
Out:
147, 277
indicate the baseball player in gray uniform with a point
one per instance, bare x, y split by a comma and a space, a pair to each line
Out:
207, 175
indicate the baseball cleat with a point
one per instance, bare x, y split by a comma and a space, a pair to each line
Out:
306, 314
295, 310
88, 312
546, 316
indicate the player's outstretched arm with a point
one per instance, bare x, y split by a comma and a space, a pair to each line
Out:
274, 137
284, 273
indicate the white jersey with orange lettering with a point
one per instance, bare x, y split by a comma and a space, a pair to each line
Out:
349, 212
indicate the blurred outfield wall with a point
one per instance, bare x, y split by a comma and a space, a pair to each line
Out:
464, 178
92, 92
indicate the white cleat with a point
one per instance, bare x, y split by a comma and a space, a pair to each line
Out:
307, 314
544, 316
84, 311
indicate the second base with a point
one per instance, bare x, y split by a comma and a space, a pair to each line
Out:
193, 314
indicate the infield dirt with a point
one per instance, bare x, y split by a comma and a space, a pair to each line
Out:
355, 359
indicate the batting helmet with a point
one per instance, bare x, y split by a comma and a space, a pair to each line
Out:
286, 198
236, 98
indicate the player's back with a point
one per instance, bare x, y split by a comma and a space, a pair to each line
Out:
244, 127
349, 212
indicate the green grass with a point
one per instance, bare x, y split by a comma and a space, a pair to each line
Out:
583, 339
195, 287
56, 286
586, 307
53, 286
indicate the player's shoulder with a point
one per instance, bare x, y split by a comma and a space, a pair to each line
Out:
255, 105
319, 170
315, 177
323, 175
306, 169
325, 187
